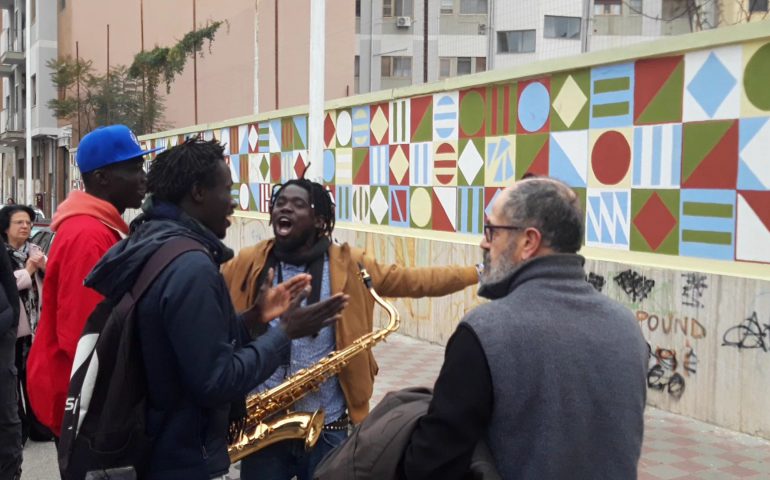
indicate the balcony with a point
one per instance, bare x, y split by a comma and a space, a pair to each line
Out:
11, 128
6, 71
11, 47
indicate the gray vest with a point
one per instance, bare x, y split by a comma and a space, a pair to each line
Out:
568, 369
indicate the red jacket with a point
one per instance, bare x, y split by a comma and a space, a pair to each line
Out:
86, 227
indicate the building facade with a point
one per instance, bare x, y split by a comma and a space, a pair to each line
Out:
28, 42
405, 42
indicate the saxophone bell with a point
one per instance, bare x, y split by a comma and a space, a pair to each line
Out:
268, 419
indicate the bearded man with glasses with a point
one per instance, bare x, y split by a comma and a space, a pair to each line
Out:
550, 373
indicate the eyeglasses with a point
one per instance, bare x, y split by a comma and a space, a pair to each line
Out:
489, 230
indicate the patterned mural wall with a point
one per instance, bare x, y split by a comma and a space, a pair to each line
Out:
670, 155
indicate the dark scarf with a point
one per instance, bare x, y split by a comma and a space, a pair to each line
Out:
30, 297
313, 259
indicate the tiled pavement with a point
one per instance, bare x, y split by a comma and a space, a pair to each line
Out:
675, 447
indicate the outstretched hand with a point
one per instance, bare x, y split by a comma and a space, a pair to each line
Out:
300, 321
273, 301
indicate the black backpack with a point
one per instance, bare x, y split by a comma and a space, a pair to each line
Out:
374, 448
103, 428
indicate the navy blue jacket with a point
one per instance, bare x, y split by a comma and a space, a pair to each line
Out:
198, 356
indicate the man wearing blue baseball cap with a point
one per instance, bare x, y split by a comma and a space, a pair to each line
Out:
87, 224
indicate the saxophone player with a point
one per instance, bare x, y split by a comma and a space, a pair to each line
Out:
302, 217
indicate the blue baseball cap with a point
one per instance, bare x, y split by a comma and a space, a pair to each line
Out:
107, 145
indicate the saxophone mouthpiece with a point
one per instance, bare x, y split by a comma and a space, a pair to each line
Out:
367, 279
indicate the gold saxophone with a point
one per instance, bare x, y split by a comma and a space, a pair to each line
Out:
262, 425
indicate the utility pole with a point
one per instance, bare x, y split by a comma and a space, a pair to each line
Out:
77, 81
586, 21
425, 41
109, 84
28, 106
195, 67
316, 90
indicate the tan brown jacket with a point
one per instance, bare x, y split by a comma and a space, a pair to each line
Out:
357, 378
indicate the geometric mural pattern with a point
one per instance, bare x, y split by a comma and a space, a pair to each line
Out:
669, 155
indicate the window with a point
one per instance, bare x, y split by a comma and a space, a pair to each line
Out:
473, 6
516, 41
357, 66
397, 8
481, 64
33, 81
397, 67
358, 8
33, 13
447, 6
562, 27
445, 67
463, 65
62, 4
757, 6
607, 7
634, 7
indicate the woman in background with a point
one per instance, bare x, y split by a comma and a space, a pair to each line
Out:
28, 262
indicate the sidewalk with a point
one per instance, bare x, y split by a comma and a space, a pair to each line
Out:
675, 447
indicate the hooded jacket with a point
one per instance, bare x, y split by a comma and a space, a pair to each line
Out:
198, 356
85, 227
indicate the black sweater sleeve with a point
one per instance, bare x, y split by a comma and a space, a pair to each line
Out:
443, 440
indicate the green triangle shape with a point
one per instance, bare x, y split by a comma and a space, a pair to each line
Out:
698, 139
424, 131
528, 147
667, 104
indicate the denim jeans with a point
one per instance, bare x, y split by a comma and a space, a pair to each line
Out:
283, 460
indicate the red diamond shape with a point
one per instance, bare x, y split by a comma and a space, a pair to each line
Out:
300, 166
654, 221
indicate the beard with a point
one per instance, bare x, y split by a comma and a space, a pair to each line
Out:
497, 271
294, 242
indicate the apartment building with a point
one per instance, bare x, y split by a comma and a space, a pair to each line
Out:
27, 43
405, 42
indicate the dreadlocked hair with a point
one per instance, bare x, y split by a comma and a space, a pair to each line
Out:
320, 201
174, 171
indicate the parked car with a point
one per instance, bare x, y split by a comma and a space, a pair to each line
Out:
42, 235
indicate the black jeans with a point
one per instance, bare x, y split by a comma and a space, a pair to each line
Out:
10, 425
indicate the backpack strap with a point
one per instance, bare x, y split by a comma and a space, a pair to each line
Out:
160, 260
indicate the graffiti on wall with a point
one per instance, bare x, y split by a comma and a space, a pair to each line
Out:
672, 323
749, 334
667, 154
635, 285
693, 289
664, 370
597, 281
753, 332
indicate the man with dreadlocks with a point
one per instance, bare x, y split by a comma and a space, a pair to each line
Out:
302, 217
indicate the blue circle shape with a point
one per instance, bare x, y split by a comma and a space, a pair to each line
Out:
534, 107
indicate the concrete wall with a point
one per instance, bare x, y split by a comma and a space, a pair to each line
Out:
671, 165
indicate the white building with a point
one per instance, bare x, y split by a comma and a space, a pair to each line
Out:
468, 36
23, 58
